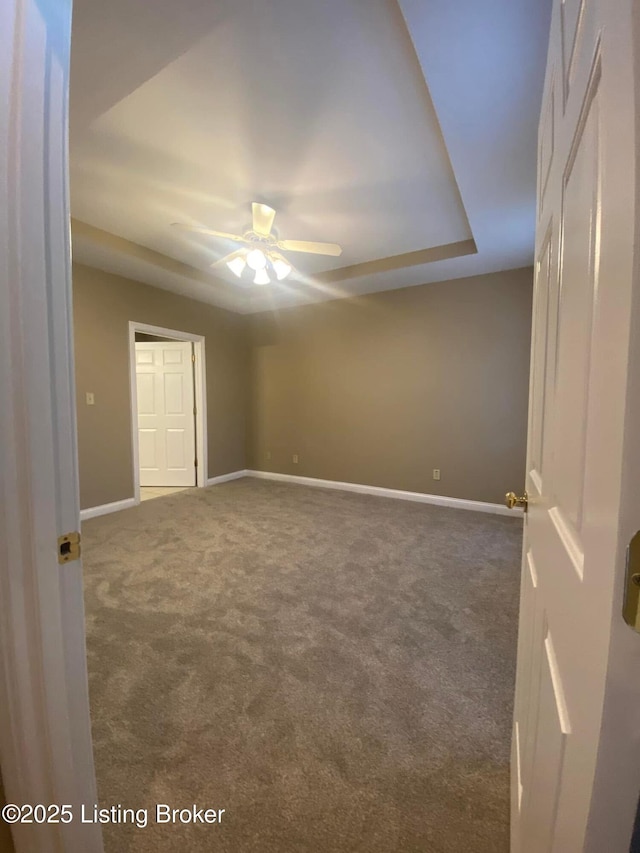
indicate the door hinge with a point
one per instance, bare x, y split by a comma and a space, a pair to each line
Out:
195, 462
69, 547
195, 411
193, 358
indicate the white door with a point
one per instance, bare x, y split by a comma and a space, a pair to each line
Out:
573, 557
45, 731
166, 414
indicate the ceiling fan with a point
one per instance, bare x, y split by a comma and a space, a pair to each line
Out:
260, 252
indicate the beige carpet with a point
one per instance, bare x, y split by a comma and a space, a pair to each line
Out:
334, 670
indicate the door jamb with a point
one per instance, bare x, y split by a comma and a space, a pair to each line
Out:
200, 398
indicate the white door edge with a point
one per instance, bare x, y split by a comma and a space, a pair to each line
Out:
200, 398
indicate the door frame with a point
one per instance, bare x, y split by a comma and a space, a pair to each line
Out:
200, 390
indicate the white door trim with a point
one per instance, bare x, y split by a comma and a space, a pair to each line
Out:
45, 733
200, 397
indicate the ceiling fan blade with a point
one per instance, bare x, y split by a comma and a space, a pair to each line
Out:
197, 229
312, 248
263, 217
221, 261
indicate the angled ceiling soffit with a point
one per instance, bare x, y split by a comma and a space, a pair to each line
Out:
134, 251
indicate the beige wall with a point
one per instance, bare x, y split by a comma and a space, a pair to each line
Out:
376, 390
382, 389
6, 842
103, 306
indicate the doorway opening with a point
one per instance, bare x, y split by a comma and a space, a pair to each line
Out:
168, 410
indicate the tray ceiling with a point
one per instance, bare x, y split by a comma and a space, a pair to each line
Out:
370, 125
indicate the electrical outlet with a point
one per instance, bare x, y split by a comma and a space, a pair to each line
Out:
90, 399
436, 473
295, 459
268, 455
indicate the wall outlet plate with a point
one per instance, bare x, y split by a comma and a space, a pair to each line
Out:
295, 459
436, 473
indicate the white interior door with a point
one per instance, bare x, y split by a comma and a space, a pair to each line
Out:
166, 416
45, 730
572, 559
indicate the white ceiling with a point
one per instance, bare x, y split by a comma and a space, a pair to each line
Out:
390, 128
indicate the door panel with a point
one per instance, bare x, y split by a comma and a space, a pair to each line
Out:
547, 137
577, 276
144, 356
528, 634
166, 429
527, 686
174, 393
540, 348
176, 446
551, 726
583, 292
572, 13
148, 448
146, 391
170, 356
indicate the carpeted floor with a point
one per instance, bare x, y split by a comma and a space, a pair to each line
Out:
334, 670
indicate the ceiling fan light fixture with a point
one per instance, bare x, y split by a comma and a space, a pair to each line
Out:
259, 247
262, 277
281, 268
257, 260
237, 265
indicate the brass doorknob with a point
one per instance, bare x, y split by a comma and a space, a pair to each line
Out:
512, 500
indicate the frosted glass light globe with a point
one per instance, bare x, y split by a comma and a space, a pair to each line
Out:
261, 277
257, 259
236, 265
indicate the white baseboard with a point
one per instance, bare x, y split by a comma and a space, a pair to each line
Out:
380, 491
398, 494
104, 509
116, 506
224, 478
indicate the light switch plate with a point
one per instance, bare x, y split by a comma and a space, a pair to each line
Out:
90, 399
